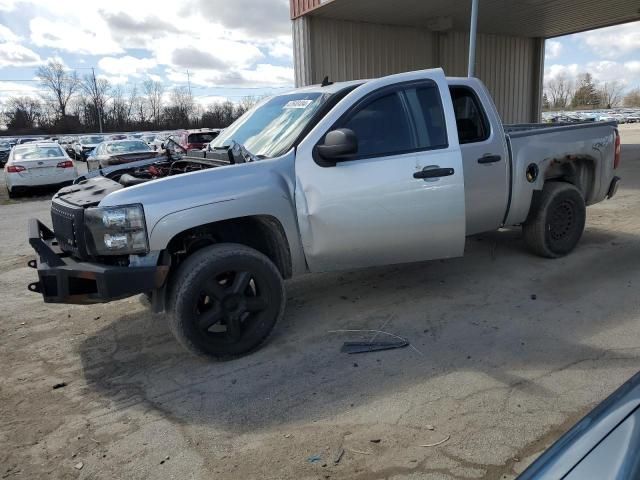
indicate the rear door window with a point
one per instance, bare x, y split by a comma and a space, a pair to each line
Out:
471, 120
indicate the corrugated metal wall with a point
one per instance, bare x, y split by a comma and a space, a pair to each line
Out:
507, 65
511, 67
351, 50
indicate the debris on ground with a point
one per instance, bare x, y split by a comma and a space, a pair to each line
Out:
437, 443
338, 457
287, 435
375, 440
365, 347
534, 296
59, 385
430, 427
78, 466
353, 450
165, 459
314, 458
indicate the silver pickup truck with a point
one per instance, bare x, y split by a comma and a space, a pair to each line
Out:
334, 176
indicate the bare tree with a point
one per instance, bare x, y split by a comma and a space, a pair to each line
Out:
180, 108
97, 91
632, 99
118, 109
153, 92
22, 112
61, 83
611, 93
559, 90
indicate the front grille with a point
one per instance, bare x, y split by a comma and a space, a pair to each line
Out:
68, 227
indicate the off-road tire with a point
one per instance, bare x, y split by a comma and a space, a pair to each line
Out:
186, 300
556, 220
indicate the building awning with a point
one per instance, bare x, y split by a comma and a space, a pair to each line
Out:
528, 18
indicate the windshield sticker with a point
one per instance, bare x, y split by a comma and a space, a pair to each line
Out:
297, 104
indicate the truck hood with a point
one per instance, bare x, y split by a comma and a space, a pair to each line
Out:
169, 195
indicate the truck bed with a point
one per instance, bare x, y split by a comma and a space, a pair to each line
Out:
546, 146
523, 129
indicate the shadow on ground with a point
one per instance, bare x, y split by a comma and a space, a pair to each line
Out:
496, 311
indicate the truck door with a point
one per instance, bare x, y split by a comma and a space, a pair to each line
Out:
485, 159
400, 198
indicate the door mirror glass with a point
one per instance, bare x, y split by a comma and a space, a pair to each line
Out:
338, 144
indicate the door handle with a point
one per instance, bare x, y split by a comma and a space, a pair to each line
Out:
430, 172
489, 159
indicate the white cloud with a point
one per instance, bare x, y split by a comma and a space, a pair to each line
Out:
15, 55
18, 89
553, 48
281, 50
613, 42
628, 73
126, 65
84, 37
115, 79
6, 35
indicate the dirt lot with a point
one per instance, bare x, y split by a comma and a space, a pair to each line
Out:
499, 374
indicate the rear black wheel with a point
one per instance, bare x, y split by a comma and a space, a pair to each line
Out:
225, 300
556, 221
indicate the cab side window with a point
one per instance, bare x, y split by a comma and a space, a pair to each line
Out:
382, 127
470, 118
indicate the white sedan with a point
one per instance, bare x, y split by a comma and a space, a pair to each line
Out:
37, 165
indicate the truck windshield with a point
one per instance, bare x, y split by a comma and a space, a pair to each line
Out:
270, 128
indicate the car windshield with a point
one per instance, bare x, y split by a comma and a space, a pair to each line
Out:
37, 151
270, 128
148, 138
5, 145
91, 139
126, 147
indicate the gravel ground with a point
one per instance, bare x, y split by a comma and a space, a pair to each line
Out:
498, 374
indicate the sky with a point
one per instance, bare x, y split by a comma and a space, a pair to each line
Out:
231, 48
611, 53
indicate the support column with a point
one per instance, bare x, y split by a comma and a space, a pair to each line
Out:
473, 33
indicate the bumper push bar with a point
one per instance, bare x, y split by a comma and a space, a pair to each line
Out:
62, 279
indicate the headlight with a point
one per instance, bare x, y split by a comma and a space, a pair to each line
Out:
116, 230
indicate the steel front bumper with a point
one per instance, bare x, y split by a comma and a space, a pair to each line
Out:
65, 280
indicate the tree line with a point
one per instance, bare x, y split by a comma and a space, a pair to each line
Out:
74, 104
562, 92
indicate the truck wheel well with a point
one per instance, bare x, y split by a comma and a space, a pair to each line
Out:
261, 232
579, 171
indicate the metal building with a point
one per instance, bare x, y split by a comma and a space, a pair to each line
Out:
353, 39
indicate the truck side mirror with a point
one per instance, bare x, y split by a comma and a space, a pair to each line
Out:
338, 145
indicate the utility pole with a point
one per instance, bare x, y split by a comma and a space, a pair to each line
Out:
95, 92
189, 81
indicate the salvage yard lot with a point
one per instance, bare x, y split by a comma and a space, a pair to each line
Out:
512, 350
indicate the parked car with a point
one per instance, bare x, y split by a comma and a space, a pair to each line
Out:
332, 177
21, 141
85, 144
603, 445
149, 139
117, 136
119, 152
37, 165
5, 148
195, 139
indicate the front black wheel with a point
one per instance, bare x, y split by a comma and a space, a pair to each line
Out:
556, 221
225, 300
